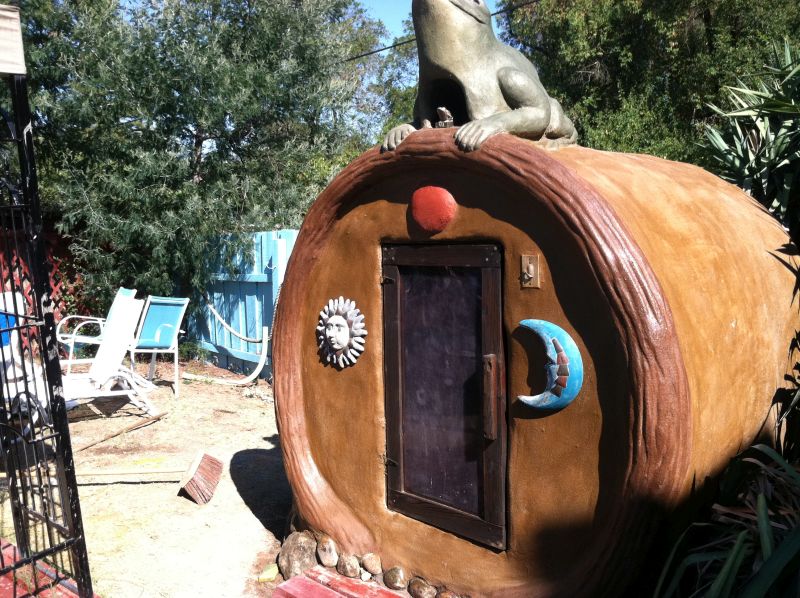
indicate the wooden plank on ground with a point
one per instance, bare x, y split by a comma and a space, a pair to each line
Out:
351, 588
303, 587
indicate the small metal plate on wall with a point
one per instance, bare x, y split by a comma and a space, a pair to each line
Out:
530, 272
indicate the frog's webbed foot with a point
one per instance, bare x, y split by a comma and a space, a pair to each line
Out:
471, 136
396, 136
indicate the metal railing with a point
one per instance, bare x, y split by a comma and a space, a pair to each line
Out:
35, 452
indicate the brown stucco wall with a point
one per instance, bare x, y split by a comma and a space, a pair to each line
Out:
662, 274
345, 410
718, 256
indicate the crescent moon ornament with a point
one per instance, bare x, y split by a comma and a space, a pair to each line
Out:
564, 367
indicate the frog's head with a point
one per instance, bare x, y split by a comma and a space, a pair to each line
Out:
453, 9
450, 33
477, 9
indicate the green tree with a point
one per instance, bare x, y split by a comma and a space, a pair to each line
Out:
397, 79
636, 75
164, 124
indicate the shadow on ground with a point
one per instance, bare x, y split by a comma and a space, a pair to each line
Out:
260, 479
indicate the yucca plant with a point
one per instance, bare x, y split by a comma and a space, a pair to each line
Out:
757, 146
751, 547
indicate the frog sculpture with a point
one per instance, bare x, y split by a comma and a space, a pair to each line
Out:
487, 86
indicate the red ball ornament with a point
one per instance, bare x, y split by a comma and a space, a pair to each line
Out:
433, 208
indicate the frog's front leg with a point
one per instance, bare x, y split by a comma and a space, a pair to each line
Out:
529, 114
396, 136
472, 135
423, 115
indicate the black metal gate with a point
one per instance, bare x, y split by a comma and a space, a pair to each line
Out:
35, 450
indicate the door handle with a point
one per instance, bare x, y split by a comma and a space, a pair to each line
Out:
490, 397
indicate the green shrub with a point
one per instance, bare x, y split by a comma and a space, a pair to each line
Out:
192, 351
751, 546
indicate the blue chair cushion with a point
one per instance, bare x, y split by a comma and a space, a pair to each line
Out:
161, 323
6, 321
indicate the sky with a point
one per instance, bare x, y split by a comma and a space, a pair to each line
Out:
393, 12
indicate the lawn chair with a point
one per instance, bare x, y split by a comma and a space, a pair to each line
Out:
107, 376
79, 333
158, 332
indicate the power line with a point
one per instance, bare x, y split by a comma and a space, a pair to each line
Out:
412, 39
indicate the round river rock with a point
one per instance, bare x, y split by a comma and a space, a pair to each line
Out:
419, 588
348, 566
396, 578
327, 552
372, 563
298, 554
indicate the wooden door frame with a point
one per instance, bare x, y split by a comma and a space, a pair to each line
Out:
489, 528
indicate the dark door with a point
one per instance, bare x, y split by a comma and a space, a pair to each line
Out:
445, 387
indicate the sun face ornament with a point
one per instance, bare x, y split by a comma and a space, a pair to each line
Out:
341, 333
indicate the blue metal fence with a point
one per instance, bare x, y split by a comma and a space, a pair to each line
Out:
246, 301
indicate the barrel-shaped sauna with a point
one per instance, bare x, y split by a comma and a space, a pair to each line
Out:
422, 438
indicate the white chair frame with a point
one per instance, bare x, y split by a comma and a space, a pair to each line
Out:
70, 339
107, 368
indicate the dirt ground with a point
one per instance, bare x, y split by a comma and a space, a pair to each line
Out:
146, 541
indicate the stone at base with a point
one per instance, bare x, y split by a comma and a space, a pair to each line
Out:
372, 563
395, 578
298, 554
419, 588
327, 551
348, 566
365, 575
447, 594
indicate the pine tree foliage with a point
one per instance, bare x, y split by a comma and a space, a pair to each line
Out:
165, 124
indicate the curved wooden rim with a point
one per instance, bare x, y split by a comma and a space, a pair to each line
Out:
659, 405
